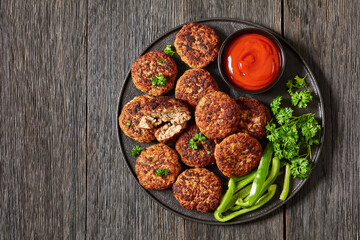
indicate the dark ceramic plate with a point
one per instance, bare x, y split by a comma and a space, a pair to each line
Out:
295, 65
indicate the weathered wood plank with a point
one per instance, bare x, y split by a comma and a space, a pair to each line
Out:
326, 33
42, 120
118, 33
117, 208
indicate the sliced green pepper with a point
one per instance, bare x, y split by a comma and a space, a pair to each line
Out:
275, 168
274, 172
238, 179
226, 198
264, 199
260, 176
229, 198
249, 178
234, 191
286, 186
243, 193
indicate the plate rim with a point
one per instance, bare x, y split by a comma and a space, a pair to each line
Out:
315, 158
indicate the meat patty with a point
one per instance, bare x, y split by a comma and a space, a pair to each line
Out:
157, 167
253, 117
198, 189
217, 115
130, 117
151, 65
145, 118
197, 45
193, 85
200, 157
238, 154
168, 116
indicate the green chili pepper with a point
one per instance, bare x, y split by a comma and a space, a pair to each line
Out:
226, 198
274, 172
229, 199
260, 176
286, 186
238, 179
249, 178
245, 180
264, 199
237, 191
236, 207
243, 193
275, 168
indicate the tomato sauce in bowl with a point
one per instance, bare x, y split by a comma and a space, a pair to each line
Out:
251, 60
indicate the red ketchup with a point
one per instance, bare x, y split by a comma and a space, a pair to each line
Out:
251, 62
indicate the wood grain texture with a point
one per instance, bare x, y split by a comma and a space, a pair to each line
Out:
117, 207
43, 120
326, 33
62, 65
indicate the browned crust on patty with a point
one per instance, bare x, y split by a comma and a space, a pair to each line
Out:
168, 116
197, 45
254, 116
164, 102
132, 113
217, 115
238, 154
156, 157
193, 85
195, 157
198, 189
163, 118
148, 66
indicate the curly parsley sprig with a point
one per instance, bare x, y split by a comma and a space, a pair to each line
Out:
199, 137
290, 134
136, 150
168, 50
162, 171
158, 80
301, 98
300, 168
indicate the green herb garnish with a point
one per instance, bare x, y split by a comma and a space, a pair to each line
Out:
208, 152
136, 150
128, 124
162, 171
199, 137
297, 83
159, 80
300, 168
169, 51
301, 98
290, 134
161, 61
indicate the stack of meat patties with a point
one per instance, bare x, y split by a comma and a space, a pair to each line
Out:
226, 130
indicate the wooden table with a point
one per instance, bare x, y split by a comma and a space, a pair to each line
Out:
62, 65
